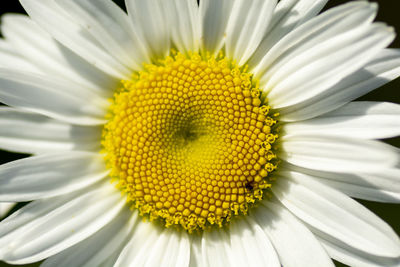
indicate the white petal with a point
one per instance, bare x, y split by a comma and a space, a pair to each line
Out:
246, 27
196, 259
183, 16
152, 245
179, 252
149, 23
99, 247
110, 26
11, 59
51, 57
45, 227
250, 246
112, 259
318, 69
215, 248
287, 15
379, 71
352, 257
338, 154
367, 120
50, 175
62, 27
172, 249
145, 235
336, 217
52, 97
214, 19
27, 132
382, 186
28, 213
5, 207
294, 243
332, 23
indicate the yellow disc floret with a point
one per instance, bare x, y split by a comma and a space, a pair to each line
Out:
190, 142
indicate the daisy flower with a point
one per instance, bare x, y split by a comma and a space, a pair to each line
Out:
218, 133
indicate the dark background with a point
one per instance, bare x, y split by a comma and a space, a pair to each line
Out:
388, 12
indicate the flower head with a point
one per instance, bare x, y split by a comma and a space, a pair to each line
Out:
218, 133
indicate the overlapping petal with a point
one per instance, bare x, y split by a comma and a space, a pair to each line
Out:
111, 27
50, 175
183, 17
215, 248
46, 227
250, 245
42, 51
27, 132
149, 24
335, 154
382, 69
336, 217
288, 15
366, 120
11, 59
153, 246
93, 251
246, 27
60, 25
214, 17
319, 29
294, 243
56, 98
312, 72
381, 186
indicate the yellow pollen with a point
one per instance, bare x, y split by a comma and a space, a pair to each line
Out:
190, 142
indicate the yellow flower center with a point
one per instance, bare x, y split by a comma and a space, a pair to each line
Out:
190, 142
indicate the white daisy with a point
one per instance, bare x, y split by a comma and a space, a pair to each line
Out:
218, 134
